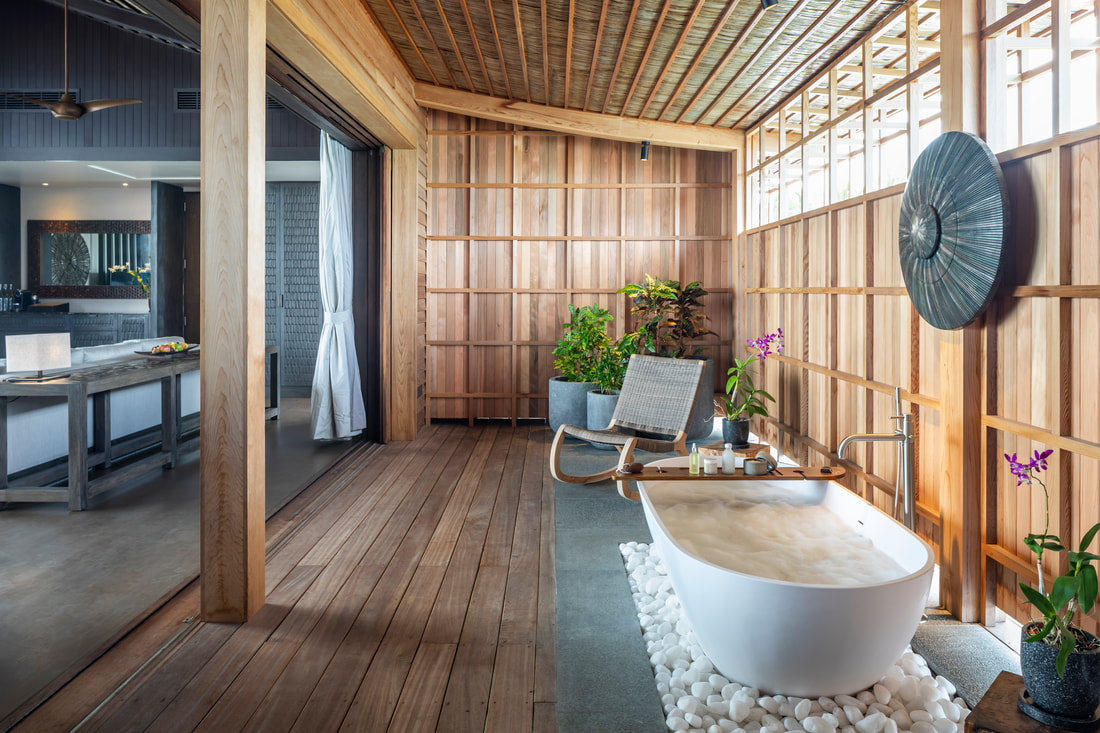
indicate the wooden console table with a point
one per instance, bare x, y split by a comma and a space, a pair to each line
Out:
996, 712
97, 382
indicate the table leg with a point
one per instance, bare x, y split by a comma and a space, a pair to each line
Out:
101, 426
3, 442
169, 418
78, 448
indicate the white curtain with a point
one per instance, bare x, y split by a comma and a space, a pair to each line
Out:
336, 408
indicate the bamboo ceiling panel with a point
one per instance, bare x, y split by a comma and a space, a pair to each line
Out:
724, 63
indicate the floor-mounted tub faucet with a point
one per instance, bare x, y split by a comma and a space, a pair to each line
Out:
903, 436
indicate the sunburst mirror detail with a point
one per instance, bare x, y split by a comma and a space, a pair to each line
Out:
952, 230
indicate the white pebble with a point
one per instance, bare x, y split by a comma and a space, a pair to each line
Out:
701, 689
739, 710
922, 726
693, 720
721, 708
946, 685
714, 729
881, 693
866, 697
831, 719
853, 713
730, 690
843, 700
791, 724
901, 717
950, 710
727, 726
878, 707
814, 724
802, 709
920, 716
717, 681
890, 726
688, 704
827, 704
770, 704
943, 725
872, 723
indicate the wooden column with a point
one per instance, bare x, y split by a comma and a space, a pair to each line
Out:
960, 351
232, 331
401, 418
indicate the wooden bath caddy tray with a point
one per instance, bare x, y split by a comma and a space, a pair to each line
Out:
783, 473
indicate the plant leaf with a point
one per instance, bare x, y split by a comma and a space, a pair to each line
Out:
1037, 599
1086, 597
1068, 645
1087, 539
1041, 633
1065, 588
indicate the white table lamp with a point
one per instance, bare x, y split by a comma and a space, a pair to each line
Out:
35, 352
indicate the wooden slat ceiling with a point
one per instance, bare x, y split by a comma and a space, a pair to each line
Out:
723, 63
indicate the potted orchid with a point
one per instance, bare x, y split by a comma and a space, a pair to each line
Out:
1060, 662
743, 399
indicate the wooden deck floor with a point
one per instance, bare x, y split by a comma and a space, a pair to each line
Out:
411, 590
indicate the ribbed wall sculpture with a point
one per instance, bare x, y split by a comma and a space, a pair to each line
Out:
953, 224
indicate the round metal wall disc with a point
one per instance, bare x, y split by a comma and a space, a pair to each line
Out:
952, 229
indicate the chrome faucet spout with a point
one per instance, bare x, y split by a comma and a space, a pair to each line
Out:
903, 436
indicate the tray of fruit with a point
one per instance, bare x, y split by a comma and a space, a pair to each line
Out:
169, 350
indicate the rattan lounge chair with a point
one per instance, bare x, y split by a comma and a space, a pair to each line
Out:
654, 407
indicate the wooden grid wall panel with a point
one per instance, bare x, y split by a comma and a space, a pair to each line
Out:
521, 223
830, 278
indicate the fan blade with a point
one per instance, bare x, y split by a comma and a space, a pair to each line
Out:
39, 102
97, 104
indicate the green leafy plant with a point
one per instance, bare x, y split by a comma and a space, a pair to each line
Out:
611, 365
1075, 589
670, 316
583, 342
742, 398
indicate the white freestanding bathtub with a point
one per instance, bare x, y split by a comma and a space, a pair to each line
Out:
798, 639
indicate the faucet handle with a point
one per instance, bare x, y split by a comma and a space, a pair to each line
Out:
897, 402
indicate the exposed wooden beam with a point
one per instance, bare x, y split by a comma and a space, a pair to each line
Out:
431, 39
568, 57
733, 50
622, 52
412, 41
595, 55
231, 462
477, 46
672, 56
545, 55
340, 47
902, 43
699, 55
500, 50
522, 47
645, 57
1022, 14
454, 45
578, 122
401, 421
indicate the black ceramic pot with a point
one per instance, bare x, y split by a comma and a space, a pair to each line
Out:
736, 432
1077, 695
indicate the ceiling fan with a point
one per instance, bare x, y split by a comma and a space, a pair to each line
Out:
65, 108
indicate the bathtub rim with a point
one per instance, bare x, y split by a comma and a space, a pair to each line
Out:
927, 567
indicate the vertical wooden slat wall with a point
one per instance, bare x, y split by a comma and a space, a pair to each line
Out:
523, 222
830, 278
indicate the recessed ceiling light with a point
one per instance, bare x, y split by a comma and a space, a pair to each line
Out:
124, 184
45, 184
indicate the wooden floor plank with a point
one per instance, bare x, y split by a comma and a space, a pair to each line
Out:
415, 593
418, 709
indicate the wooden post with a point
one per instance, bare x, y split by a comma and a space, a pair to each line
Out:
960, 352
401, 419
231, 466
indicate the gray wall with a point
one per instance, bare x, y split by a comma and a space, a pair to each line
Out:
106, 62
293, 301
9, 235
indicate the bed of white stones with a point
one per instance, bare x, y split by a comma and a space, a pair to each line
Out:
698, 699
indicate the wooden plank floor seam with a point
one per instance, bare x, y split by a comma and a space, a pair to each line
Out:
414, 593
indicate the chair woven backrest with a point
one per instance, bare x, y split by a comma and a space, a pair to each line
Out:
658, 394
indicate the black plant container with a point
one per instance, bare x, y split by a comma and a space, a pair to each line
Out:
1075, 696
736, 432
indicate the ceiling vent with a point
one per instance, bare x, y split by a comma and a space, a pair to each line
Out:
190, 100
46, 95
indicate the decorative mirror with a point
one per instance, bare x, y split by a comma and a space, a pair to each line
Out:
952, 230
89, 259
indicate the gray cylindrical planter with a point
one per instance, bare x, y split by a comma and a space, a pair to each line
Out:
568, 403
701, 423
1075, 696
601, 407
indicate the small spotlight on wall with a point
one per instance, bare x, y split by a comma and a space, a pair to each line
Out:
765, 4
124, 184
645, 150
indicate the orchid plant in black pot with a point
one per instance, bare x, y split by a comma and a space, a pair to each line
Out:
1060, 662
743, 398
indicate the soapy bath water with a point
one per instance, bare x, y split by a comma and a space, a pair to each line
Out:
770, 532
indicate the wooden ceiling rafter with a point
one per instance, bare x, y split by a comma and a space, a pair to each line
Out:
431, 38
454, 45
672, 56
700, 54
595, 54
413, 43
622, 52
800, 68
733, 50
777, 61
568, 54
500, 50
645, 56
545, 54
522, 47
477, 46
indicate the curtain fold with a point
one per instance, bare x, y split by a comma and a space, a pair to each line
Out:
336, 404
